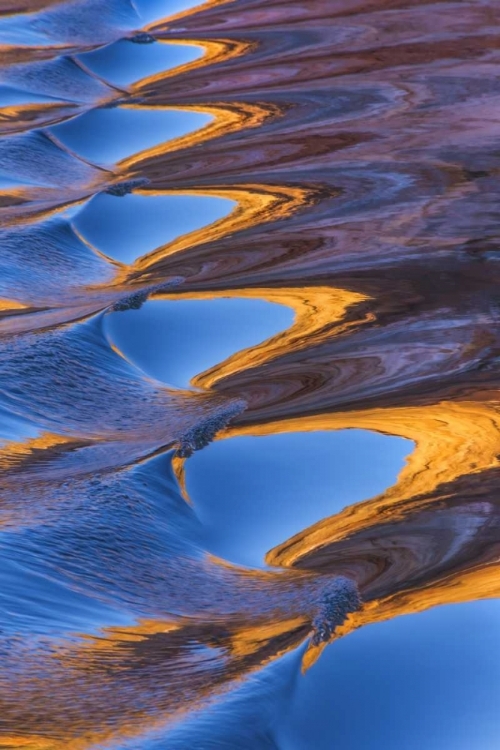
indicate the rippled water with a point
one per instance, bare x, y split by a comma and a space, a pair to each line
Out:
249, 374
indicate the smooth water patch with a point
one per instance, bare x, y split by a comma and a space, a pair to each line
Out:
124, 63
253, 493
429, 681
174, 340
127, 228
106, 136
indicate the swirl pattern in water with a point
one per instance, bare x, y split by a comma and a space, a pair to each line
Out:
249, 370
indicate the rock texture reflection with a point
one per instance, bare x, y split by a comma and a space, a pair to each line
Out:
358, 139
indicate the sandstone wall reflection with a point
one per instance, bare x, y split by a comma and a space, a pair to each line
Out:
358, 141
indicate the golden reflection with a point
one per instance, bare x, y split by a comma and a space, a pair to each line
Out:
15, 453
215, 51
452, 439
459, 588
139, 655
256, 204
317, 309
469, 585
112, 637
13, 201
178, 467
226, 120
242, 641
248, 640
28, 743
11, 304
19, 117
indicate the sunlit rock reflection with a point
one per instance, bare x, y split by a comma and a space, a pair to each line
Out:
322, 178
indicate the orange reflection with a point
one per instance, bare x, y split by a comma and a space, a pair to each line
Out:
13, 454
215, 51
317, 310
429, 515
227, 119
11, 304
467, 586
452, 439
14, 119
151, 658
256, 204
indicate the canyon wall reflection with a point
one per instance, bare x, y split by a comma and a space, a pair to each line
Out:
333, 163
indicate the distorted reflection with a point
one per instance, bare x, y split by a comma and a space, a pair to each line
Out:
427, 680
136, 224
251, 493
106, 136
249, 375
173, 341
121, 64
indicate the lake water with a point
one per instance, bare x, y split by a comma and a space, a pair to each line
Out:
249, 375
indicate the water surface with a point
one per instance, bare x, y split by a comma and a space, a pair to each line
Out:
249, 374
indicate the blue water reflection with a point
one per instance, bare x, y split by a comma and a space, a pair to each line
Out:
107, 136
15, 428
242, 720
122, 63
173, 341
428, 681
12, 96
421, 682
252, 493
129, 227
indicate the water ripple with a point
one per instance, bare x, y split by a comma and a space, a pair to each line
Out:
338, 159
